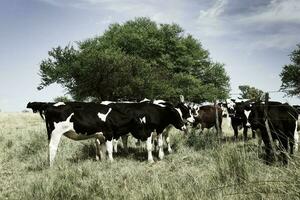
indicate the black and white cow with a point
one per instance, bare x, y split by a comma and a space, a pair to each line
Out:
239, 113
158, 115
282, 120
187, 117
79, 121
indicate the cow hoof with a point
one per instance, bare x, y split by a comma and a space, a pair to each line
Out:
170, 150
151, 161
97, 158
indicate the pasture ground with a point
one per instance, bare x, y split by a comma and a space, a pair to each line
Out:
201, 167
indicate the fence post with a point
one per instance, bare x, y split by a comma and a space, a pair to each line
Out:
267, 124
217, 118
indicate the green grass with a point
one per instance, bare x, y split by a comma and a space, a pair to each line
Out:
201, 167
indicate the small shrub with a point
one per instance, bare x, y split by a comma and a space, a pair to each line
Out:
204, 140
9, 144
32, 147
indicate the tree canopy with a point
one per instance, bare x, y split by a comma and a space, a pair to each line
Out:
248, 92
290, 74
61, 99
137, 59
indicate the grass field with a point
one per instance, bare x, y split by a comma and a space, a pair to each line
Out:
201, 167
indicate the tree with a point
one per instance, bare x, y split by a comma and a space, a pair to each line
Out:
136, 59
249, 92
290, 74
61, 99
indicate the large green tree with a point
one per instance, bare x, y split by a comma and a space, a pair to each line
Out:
136, 59
248, 92
290, 74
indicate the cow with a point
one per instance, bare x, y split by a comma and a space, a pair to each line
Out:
239, 113
79, 121
205, 116
158, 115
282, 120
187, 117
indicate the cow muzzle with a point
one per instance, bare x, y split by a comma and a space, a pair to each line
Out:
183, 128
191, 119
248, 125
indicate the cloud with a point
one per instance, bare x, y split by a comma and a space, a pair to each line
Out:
269, 23
278, 11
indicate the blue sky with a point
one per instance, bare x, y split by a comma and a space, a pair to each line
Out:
253, 38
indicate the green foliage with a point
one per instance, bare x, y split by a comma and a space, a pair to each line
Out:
61, 99
249, 92
136, 59
290, 74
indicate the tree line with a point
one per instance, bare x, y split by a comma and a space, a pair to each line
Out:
141, 58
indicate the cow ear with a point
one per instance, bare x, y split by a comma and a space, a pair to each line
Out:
181, 97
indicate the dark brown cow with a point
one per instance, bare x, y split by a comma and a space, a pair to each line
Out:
206, 117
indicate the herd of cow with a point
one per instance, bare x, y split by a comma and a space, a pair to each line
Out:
108, 121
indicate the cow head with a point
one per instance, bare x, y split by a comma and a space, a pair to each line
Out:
176, 119
230, 105
186, 113
256, 117
243, 111
38, 107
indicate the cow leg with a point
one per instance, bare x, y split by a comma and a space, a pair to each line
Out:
259, 140
54, 142
98, 154
168, 143
149, 148
245, 133
100, 139
103, 151
253, 134
291, 143
284, 150
109, 148
115, 145
235, 128
160, 147
125, 143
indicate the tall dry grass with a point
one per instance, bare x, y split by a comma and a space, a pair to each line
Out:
203, 166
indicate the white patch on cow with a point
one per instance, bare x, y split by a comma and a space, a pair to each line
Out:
143, 120
191, 119
106, 102
196, 108
59, 104
109, 148
296, 136
179, 112
160, 147
247, 113
59, 129
149, 149
159, 103
104, 116
145, 100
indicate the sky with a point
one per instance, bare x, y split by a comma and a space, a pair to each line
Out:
253, 38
